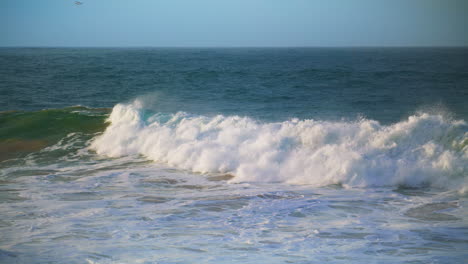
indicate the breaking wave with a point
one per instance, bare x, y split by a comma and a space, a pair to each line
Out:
423, 150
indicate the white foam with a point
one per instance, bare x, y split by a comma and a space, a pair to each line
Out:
422, 150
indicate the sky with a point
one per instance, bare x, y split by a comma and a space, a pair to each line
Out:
233, 23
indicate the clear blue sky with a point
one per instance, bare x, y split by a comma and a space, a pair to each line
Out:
192, 23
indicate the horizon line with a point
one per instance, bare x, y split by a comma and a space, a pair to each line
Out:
234, 47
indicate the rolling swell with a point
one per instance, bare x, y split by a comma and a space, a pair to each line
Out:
423, 150
25, 132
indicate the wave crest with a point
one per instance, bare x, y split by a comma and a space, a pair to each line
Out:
422, 150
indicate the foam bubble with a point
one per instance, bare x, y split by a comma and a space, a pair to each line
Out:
425, 149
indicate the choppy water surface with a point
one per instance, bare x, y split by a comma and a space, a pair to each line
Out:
130, 211
233, 156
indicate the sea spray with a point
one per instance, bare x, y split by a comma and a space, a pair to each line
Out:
423, 150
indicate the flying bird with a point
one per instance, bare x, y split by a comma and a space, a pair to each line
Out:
78, 3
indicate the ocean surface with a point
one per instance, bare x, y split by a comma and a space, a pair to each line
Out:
236, 155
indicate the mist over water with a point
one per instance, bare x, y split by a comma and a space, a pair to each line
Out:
233, 155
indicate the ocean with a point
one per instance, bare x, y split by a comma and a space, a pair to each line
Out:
233, 155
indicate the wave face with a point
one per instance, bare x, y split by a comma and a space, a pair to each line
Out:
424, 150
25, 132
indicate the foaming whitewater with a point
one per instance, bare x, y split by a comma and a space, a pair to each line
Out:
423, 150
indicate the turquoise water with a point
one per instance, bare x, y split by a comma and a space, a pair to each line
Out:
233, 155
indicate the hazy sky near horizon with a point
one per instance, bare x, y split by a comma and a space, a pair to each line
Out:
207, 23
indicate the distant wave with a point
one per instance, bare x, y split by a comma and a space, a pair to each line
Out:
424, 150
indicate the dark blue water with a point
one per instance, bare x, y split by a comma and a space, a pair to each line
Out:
384, 84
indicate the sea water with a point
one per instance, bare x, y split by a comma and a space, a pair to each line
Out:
233, 155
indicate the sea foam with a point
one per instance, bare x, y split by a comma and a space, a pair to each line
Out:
423, 150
